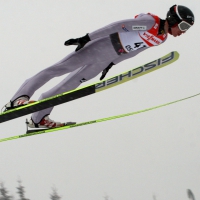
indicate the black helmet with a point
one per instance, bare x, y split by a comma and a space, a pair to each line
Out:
178, 13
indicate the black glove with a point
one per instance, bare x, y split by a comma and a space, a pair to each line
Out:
105, 71
78, 41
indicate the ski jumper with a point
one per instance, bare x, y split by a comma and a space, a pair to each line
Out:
113, 43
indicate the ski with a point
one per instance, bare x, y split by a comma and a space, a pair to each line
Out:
38, 132
90, 89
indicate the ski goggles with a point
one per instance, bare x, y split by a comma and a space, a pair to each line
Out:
184, 26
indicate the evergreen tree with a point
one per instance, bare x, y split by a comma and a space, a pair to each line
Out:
4, 193
54, 195
21, 191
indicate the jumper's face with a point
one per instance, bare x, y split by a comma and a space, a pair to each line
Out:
175, 31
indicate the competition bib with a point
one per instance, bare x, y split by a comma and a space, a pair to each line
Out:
137, 39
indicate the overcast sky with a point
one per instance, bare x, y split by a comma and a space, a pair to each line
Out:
153, 153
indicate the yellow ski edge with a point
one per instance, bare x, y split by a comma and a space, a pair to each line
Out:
98, 120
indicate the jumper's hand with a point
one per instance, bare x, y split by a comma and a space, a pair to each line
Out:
105, 71
81, 42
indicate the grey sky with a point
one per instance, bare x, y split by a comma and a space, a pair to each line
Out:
131, 158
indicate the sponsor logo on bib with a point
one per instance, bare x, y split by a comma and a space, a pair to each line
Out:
139, 28
151, 38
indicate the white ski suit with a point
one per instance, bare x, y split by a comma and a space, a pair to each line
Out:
113, 43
